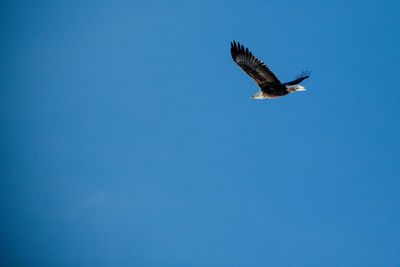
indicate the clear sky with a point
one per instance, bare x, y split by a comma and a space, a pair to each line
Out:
128, 137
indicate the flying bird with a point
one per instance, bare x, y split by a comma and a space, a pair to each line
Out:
270, 86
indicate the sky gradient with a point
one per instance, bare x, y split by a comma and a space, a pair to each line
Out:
128, 137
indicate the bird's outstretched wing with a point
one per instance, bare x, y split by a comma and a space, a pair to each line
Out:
254, 67
299, 78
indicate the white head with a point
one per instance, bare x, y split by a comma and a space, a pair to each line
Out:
295, 88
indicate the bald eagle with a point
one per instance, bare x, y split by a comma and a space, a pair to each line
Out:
270, 86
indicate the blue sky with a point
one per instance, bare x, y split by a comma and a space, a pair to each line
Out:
128, 137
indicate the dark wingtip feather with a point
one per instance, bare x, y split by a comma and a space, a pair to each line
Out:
251, 65
239, 49
234, 49
304, 74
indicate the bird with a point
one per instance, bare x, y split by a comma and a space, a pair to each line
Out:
270, 86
